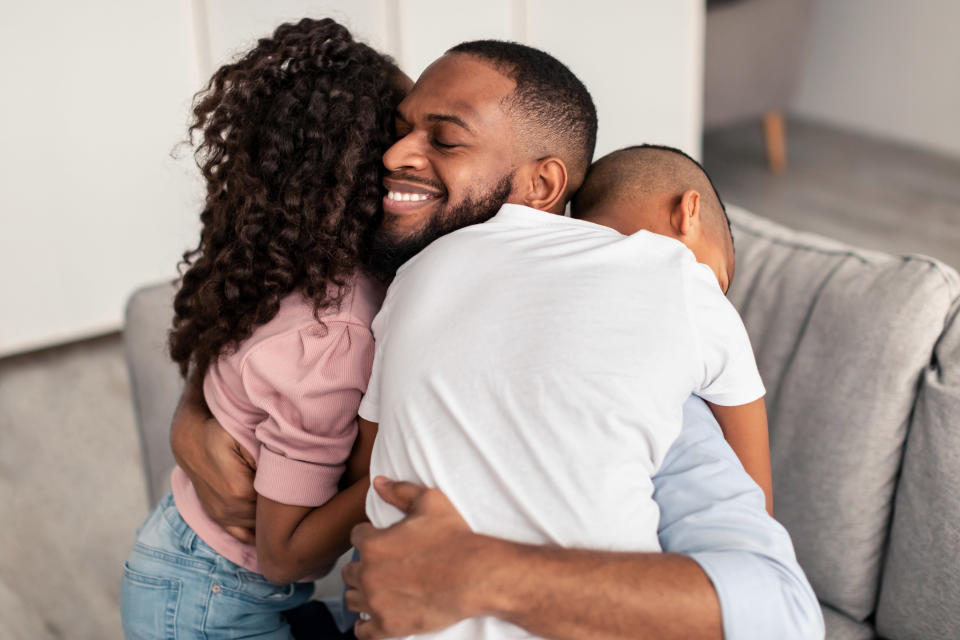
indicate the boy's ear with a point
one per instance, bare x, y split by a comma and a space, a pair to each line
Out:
685, 215
547, 185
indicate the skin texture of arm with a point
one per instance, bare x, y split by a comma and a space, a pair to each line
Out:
726, 555
220, 469
745, 430
294, 542
430, 571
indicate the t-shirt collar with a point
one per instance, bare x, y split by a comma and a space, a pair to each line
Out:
524, 215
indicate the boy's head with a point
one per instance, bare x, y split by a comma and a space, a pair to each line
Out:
662, 190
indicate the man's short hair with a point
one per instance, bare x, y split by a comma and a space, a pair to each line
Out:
556, 111
642, 170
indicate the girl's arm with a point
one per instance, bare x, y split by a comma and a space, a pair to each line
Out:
745, 429
294, 542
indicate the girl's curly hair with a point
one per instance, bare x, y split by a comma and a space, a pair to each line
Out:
291, 141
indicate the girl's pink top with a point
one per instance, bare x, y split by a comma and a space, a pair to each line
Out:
289, 395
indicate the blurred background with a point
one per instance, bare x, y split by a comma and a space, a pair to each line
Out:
837, 117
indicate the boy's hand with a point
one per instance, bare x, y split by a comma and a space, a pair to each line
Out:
412, 576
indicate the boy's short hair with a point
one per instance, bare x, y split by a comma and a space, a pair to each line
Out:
644, 170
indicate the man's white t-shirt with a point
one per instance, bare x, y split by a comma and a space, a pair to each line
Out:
534, 368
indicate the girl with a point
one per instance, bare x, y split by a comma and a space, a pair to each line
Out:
274, 311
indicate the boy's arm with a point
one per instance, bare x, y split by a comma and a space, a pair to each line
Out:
294, 542
745, 429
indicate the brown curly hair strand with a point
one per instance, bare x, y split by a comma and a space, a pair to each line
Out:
290, 145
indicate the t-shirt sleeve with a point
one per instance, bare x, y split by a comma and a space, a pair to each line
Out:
370, 405
730, 375
309, 383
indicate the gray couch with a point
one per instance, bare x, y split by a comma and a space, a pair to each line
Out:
860, 352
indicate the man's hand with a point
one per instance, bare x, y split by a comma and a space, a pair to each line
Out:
411, 577
430, 571
220, 469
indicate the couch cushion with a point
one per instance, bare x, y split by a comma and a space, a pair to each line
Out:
920, 593
842, 337
840, 627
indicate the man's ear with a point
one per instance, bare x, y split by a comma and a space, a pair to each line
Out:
685, 214
547, 185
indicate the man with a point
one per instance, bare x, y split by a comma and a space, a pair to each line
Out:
490, 123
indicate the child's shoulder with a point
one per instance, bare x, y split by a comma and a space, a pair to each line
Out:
296, 321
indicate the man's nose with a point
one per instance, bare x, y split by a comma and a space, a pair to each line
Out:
406, 153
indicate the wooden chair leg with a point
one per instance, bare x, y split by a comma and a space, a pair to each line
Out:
775, 135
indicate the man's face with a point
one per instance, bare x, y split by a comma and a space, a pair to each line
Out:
454, 159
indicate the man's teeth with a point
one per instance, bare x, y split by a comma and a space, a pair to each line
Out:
407, 197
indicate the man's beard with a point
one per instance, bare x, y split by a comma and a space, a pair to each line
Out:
388, 253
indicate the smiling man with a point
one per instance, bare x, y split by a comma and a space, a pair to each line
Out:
492, 123
466, 148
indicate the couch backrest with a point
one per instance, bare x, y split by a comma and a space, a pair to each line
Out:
155, 382
920, 592
843, 338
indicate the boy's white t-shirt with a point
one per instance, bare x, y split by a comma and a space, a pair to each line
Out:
534, 368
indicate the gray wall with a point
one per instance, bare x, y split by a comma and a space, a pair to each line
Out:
885, 67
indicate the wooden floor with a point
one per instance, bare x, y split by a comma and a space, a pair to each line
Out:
72, 491
869, 192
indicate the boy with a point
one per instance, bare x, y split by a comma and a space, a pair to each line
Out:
652, 188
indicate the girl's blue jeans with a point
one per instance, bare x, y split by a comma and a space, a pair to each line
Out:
176, 587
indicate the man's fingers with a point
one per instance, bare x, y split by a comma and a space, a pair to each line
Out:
356, 601
402, 495
368, 630
351, 574
246, 456
233, 513
243, 534
360, 533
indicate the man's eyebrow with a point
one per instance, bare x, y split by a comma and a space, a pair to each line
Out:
443, 117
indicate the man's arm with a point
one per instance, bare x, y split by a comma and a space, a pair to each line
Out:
430, 571
220, 469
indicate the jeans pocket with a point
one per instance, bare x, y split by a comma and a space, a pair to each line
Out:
252, 607
148, 605
254, 587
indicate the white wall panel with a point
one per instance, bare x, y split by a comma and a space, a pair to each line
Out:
427, 28
235, 25
642, 62
92, 205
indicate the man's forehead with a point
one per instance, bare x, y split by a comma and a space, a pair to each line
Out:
460, 85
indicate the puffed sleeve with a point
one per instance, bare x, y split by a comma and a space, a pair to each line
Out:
308, 382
